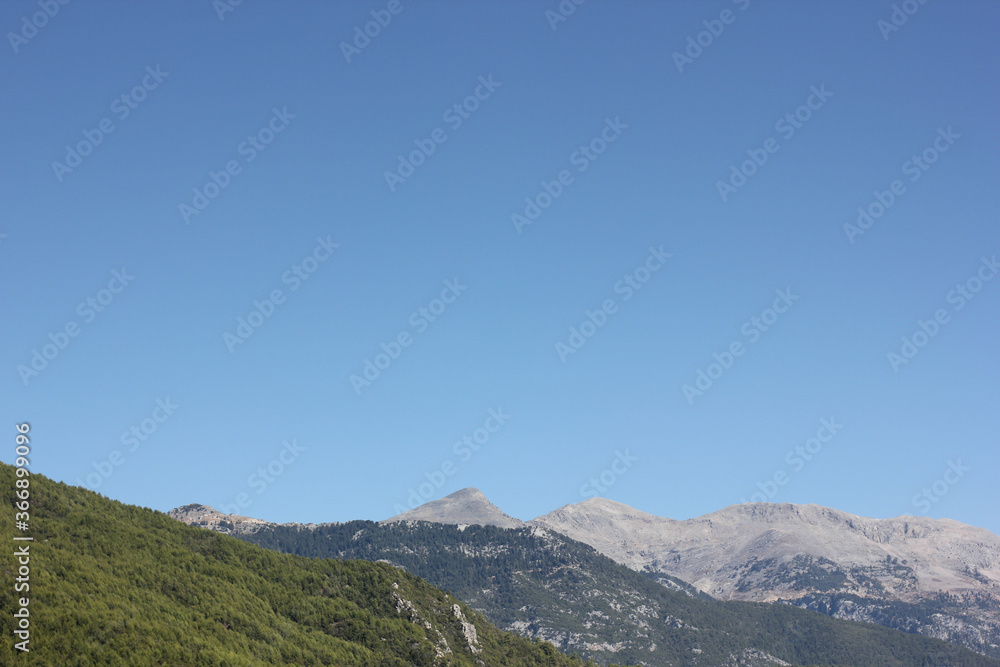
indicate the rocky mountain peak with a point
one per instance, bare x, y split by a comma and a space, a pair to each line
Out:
469, 494
464, 507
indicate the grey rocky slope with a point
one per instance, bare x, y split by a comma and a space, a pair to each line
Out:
206, 516
933, 576
467, 506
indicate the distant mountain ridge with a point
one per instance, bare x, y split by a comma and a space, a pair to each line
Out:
935, 577
942, 555
711, 551
546, 586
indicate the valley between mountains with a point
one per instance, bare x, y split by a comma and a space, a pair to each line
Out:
740, 586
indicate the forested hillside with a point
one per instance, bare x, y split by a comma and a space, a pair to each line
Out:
114, 584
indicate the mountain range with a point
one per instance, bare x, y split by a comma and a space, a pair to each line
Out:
937, 577
924, 576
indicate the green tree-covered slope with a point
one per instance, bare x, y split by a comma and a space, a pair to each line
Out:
113, 584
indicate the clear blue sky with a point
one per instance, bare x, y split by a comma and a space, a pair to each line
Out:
631, 139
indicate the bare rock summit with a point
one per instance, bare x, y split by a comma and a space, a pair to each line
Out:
734, 552
465, 507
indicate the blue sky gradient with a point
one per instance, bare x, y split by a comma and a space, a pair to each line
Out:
622, 145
